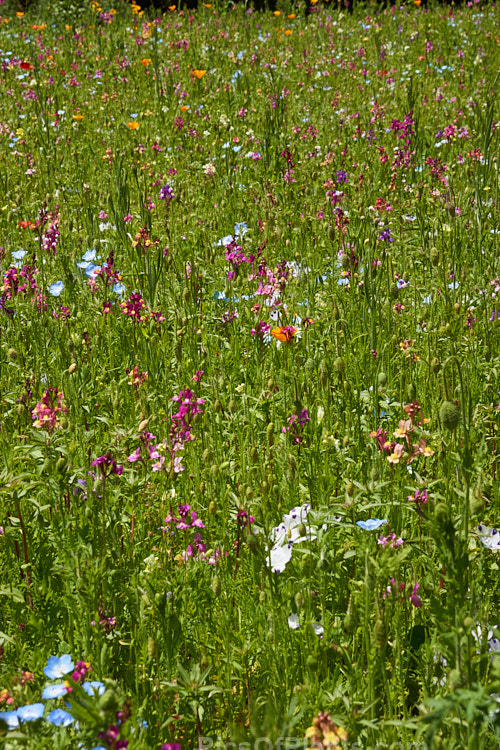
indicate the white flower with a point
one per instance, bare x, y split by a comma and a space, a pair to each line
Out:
279, 557
489, 537
293, 622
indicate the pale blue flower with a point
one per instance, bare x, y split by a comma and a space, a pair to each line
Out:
240, 229
119, 288
371, 524
54, 691
89, 255
10, 718
56, 288
18, 254
94, 687
57, 667
91, 270
60, 718
31, 712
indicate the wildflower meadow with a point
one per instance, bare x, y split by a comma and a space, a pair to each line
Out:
250, 376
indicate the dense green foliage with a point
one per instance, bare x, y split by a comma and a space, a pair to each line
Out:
250, 265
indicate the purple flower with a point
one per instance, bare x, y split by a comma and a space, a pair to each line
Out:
166, 194
414, 597
108, 462
386, 236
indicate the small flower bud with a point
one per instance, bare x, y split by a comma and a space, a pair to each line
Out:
216, 586
212, 508
12, 354
349, 489
143, 425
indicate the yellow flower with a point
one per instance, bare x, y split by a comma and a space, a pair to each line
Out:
199, 74
19, 14
277, 13
133, 125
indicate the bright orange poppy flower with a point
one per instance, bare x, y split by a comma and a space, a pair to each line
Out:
145, 62
284, 334
199, 74
133, 125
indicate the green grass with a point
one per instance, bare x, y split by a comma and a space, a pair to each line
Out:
354, 162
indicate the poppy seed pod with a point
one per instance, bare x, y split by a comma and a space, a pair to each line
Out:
216, 586
435, 365
345, 261
434, 257
12, 354
394, 291
380, 634
331, 233
382, 378
449, 415
339, 365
